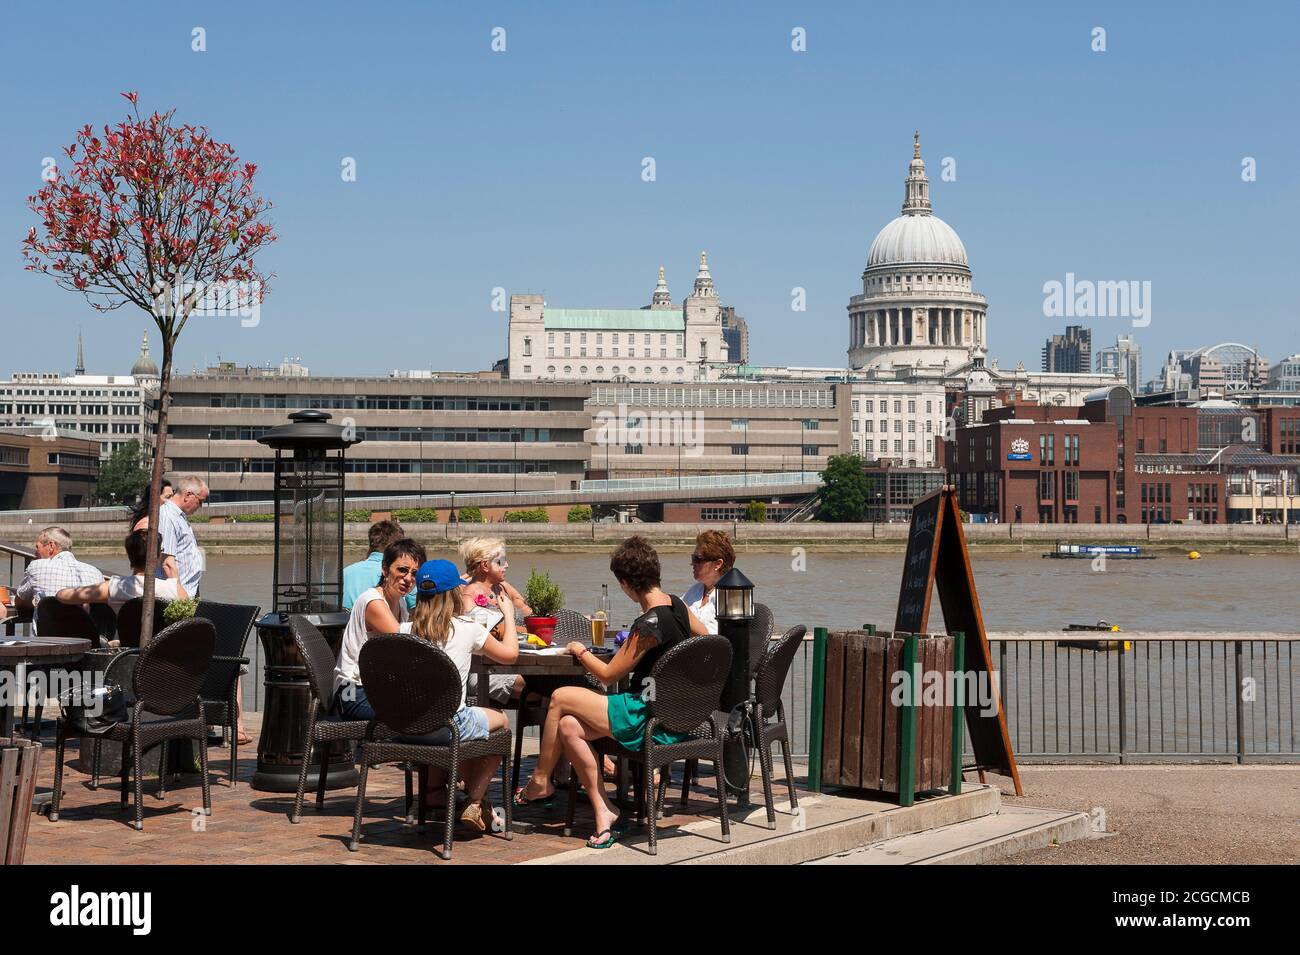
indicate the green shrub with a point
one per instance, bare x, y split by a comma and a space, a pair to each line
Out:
756, 512
535, 515
254, 518
580, 514
543, 594
471, 515
200, 518
180, 610
416, 515
356, 517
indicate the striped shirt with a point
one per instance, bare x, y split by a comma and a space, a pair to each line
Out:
178, 542
45, 578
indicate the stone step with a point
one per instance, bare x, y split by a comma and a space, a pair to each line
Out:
1011, 830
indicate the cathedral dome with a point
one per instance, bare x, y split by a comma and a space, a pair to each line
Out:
917, 239
144, 366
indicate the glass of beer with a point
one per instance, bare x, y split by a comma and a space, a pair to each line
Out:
598, 621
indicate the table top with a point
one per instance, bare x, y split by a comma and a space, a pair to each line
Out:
536, 663
42, 648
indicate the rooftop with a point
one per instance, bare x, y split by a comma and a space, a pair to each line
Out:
613, 319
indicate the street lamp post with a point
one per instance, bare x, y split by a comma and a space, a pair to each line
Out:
514, 446
802, 422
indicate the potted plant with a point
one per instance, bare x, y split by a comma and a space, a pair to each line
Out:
546, 598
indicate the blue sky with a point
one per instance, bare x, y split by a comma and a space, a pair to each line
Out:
522, 169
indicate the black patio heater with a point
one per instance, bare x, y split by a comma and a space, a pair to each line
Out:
735, 616
308, 579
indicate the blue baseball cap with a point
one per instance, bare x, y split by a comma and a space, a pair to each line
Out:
436, 577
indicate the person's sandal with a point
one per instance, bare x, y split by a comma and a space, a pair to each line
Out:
597, 842
541, 802
472, 817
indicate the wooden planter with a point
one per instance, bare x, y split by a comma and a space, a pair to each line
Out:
868, 740
18, 765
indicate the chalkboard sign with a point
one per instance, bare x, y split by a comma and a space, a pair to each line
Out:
918, 565
937, 558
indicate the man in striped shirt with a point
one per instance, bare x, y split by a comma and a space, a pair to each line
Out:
182, 557
54, 569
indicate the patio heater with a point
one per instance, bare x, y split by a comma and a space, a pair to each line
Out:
308, 579
735, 615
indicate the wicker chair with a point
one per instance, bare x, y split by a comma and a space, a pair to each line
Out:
119, 673
167, 706
324, 725
769, 681
105, 620
55, 619
415, 689
130, 617
569, 626
688, 682
233, 623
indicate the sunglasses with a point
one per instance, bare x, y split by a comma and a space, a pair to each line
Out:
404, 571
500, 561
701, 559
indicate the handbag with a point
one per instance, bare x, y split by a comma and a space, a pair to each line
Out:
94, 710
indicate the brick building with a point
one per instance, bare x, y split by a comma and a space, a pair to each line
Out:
1111, 461
46, 468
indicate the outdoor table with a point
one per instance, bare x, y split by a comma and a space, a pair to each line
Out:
534, 663
34, 651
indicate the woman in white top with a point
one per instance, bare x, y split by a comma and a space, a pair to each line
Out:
379, 610
712, 558
439, 617
116, 591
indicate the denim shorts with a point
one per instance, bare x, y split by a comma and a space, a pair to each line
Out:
471, 724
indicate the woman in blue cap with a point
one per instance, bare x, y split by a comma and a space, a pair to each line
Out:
439, 617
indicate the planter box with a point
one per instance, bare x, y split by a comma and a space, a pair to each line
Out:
865, 736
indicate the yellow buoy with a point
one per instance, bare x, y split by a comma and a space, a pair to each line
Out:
1194, 555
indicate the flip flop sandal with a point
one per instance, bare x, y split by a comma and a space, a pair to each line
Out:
596, 842
541, 802
621, 827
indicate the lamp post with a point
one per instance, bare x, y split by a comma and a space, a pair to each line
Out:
735, 616
451, 518
514, 446
802, 423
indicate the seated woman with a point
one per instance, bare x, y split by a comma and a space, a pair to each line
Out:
438, 617
487, 595
116, 591
379, 610
712, 558
577, 715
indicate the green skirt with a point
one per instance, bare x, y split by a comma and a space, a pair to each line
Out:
627, 718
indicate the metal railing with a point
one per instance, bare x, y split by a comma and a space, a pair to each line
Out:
1214, 697
17, 558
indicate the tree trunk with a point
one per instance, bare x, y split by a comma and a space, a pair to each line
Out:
155, 495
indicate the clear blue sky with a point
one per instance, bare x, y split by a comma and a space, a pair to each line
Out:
522, 169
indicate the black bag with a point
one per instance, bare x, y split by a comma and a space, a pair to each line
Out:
93, 710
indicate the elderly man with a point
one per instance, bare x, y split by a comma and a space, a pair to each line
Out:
182, 557
54, 569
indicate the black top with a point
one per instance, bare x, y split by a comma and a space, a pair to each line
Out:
668, 625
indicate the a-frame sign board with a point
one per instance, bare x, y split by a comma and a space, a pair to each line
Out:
937, 556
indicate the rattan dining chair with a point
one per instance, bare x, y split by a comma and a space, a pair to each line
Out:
165, 685
688, 681
324, 725
55, 619
765, 705
130, 617
415, 690
233, 623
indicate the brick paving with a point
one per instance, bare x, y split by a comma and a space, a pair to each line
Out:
247, 826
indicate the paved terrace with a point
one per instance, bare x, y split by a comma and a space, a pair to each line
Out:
253, 827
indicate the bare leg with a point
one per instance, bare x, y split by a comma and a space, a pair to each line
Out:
477, 773
575, 736
239, 713
589, 707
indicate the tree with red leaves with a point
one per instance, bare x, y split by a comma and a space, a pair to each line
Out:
160, 216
